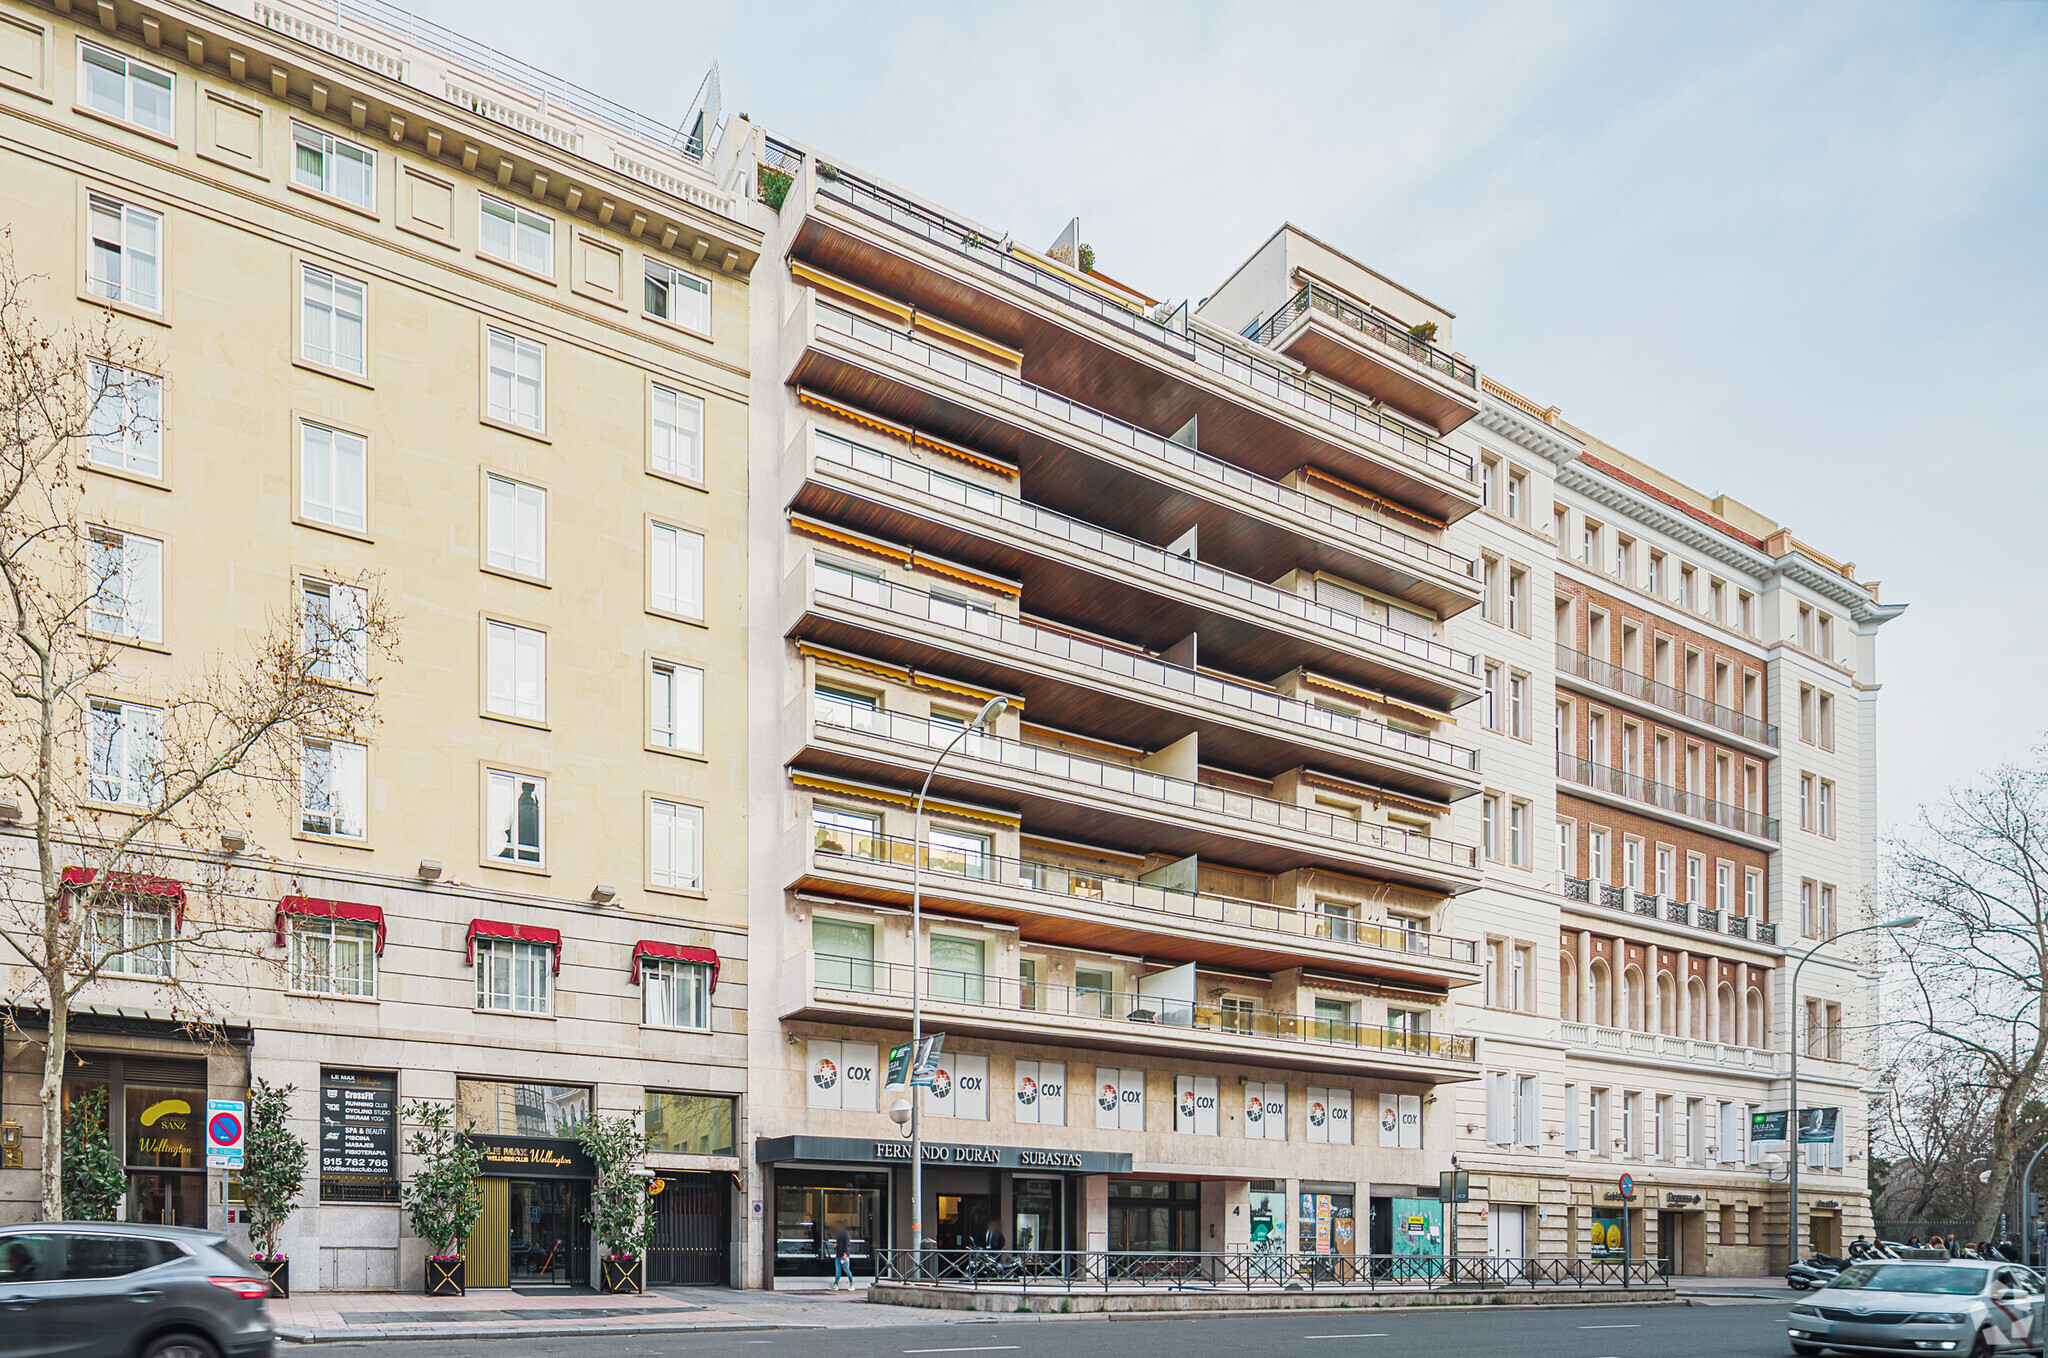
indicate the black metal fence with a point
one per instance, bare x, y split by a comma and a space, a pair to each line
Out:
1074, 1270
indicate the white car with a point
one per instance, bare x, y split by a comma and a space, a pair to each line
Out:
1961, 1306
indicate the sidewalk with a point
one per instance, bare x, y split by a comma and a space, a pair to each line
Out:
325, 1317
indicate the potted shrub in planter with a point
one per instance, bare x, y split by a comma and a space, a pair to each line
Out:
275, 1159
619, 1218
442, 1199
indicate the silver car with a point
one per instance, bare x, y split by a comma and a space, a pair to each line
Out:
77, 1289
1960, 1306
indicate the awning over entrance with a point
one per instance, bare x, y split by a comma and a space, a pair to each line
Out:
955, 1154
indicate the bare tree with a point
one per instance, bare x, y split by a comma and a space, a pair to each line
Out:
1975, 974
126, 802
1933, 1125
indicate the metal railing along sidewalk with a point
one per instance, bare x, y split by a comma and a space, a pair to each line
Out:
1250, 1270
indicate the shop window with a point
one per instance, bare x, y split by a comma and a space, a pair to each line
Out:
691, 1124
512, 1108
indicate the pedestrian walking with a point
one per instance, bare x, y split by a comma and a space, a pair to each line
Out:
842, 1259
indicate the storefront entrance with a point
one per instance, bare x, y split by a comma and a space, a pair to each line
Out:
812, 1208
692, 1242
963, 1220
1036, 1215
1154, 1215
533, 1232
156, 1110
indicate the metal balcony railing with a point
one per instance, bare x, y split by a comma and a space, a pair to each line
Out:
1359, 318
1126, 894
1242, 366
1094, 777
1672, 912
1647, 690
1013, 997
1090, 421
968, 620
1664, 797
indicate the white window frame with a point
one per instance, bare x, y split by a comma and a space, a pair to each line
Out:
338, 495
676, 433
676, 283
675, 707
526, 971
325, 302
515, 526
323, 975
502, 790
123, 747
507, 358
117, 284
130, 70
1529, 1110
335, 624
675, 570
333, 152
127, 585
675, 994
524, 233
675, 841
333, 788
118, 922
125, 431
515, 671
1518, 833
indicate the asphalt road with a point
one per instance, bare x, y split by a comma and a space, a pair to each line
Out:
1722, 1331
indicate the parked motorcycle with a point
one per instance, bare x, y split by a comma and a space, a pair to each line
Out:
1815, 1271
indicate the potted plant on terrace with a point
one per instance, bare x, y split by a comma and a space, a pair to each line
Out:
94, 1180
276, 1172
442, 1199
618, 1200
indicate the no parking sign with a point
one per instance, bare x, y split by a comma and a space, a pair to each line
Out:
224, 1119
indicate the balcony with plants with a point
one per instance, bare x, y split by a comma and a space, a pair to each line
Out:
1370, 352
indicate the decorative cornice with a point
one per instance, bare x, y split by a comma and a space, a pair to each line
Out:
1499, 417
1591, 480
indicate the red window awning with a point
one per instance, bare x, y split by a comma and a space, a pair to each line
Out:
314, 907
135, 884
674, 952
518, 933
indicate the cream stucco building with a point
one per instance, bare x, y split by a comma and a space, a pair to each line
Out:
482, 336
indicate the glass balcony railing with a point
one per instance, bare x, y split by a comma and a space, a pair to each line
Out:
1247, 368
1664, 797
1144, 555
1647, 690
1171, 906
1172, 681
860, 981
1374, 326
1094, 777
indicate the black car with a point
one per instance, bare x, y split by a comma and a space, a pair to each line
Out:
103, 1289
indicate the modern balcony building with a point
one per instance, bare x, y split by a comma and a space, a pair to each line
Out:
1187, 909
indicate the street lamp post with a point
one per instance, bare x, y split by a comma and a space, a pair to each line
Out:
983, 719
1792, 1117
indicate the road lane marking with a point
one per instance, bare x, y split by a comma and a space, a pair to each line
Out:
984, 1348
1381, 1334
1610, 1327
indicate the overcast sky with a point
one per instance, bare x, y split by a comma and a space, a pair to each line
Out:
1793, 253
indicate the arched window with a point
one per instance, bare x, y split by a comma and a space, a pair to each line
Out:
1696, 999
1667, 1004
1759, 1021
1567, 989
1601, 993
1731, 1017
1632, 999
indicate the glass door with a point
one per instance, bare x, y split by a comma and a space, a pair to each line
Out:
548, 1239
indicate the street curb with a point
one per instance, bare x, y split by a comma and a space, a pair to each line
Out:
559, 1330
